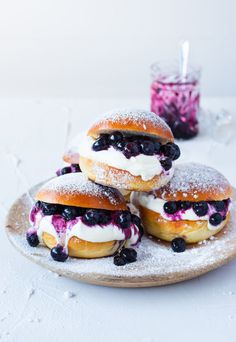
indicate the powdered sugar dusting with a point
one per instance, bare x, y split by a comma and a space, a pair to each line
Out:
155, 259
193, 178
141, 116
73, 183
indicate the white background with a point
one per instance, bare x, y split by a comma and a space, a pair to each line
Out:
92, 48
87, 57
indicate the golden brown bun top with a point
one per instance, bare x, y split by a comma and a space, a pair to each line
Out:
140, 122
195, 182
75, 189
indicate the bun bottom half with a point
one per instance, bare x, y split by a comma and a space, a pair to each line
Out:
190, 231
84, 249
107, 175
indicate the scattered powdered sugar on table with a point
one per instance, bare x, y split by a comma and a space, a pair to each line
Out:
195, 177
73, 183
69, 294
31, 292
154, 258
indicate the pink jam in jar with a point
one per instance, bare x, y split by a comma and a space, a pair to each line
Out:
176, 99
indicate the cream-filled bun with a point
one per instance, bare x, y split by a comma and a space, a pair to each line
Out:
76, 217
127, 149
194, 205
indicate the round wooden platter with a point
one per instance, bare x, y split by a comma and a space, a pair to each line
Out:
157, 264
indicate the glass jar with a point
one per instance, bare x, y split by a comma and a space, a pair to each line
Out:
176, 99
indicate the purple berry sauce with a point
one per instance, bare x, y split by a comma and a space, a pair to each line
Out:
61, 225
176, 100
34, 211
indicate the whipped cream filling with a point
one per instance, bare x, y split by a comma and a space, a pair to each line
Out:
156, 204
145, 166
97, 233
45, 225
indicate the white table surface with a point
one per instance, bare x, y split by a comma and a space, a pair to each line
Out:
34, 303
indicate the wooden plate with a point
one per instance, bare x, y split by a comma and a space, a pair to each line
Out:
157, 264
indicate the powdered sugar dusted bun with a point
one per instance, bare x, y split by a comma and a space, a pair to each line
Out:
194, 205
75, 217
134, 121
121, 179
195, 182
127, 149
75, 189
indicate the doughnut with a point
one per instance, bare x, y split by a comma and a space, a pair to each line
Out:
132, 150
78, 218
193, 206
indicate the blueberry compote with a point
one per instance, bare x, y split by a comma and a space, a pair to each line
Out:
134, 145
215, 210
68, 169
176, 99
63, 218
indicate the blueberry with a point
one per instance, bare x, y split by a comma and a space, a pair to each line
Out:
131, 149
168, 150
65, 170
218, 205
170, 207
123, 219
58, 172
119, 261
147, 147
101, 143
226, 202
157, 147
185, 205
200, 208
80, 211
166, 164
215, 219
141, 232
120, 145
171, 151
178, 245
129, 254
69, 213
137, 221
50, 209
75, 168
177, 151
104, 217
32, 239
115, 137
91, 217
58, 254
38, 204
